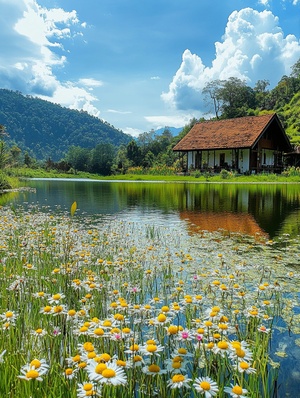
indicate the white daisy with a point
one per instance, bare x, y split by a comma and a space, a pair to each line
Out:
88, 390
153, 370
206, 386
179, 381
113, 374
236, 391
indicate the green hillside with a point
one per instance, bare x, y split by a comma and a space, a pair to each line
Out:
46, 130
290, 114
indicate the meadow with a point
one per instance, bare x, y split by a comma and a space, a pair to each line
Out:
116, 309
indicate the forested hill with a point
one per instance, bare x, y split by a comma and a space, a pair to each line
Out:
46, 130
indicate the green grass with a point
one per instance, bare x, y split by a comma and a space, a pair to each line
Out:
202, 178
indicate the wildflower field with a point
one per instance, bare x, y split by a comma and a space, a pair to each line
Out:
115, 309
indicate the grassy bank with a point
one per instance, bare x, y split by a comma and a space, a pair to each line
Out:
293, 177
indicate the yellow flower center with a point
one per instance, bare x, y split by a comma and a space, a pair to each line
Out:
56, 296
165, 308
161, 318
154, 368
137, 358
182, 351
99, 368
178, 378
237, 390
39, 331
240, 353
83, 329
121, 363
205, 385
99, 332
71, 312
105, 357
223, 345
68, 371
108, 373
151, 347
119, 317
91, 355
244, 365
88, 346
35, 363
58, 309
32, 374
134, 347
88, 387
176, 365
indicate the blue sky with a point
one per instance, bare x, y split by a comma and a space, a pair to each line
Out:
142, 64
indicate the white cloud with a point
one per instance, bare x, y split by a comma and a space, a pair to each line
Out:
119, 112
90, 82
174, 121
253, 47
31, 43
131, 131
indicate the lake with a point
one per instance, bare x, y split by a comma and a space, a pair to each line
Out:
269, 210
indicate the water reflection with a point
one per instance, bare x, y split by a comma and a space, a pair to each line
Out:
267, 209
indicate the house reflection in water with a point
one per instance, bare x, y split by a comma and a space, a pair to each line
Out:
243, 223
254, 209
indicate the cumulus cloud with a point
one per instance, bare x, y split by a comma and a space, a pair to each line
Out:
173, 120
253, 48
32, 51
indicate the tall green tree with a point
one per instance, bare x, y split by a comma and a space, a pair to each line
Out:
102, 159
134, 153
78, 158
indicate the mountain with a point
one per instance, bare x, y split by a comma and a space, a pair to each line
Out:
173, 130
47, 130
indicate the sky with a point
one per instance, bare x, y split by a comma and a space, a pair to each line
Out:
142, 64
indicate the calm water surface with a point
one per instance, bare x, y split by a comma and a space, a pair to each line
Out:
267, 209
271, 210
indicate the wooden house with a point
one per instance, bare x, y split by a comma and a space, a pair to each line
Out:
250, 144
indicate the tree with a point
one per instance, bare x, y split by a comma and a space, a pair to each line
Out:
134, 153
15, 151
212, 91
296, 70
261, 92
102, 159
4, 155
78, 158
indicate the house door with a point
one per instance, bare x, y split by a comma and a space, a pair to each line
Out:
254, 160
222, 159
198, 160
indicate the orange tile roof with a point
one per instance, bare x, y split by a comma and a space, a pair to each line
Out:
228, 133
